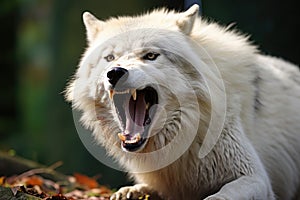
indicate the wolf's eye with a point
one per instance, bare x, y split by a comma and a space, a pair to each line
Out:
151, 56
109, 58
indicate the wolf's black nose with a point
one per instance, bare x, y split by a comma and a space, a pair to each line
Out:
117, 74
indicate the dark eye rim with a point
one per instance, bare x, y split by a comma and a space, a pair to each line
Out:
151, 56
109, 57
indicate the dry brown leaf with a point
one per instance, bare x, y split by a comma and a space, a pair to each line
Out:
34, 180
86, 181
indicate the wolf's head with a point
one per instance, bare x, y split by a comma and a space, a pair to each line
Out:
138, 86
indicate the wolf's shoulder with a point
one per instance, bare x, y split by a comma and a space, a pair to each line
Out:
280, 68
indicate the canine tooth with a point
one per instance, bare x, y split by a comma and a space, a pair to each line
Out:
138, 137
147, 106
122, 137
111, 94
133, 93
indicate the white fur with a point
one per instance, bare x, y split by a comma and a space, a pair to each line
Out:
257, 154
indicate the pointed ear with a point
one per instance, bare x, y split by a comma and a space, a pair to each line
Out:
93, 26
186, 20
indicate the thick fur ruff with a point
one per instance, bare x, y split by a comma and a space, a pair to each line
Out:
204, 72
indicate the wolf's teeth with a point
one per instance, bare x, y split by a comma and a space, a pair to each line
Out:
111, 94
122, 137
136, 139
122, 92
147, 106
133, 93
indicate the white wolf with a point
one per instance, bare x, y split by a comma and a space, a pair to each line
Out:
154, 87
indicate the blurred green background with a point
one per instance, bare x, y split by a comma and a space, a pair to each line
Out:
41, 43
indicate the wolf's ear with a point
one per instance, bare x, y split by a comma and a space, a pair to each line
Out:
93, 26
186, 20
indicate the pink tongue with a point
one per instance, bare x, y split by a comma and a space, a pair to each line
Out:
135, 115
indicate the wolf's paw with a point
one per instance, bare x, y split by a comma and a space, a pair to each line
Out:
129, 192
215, 197
136, 192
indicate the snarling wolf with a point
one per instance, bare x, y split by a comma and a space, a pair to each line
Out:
191, 109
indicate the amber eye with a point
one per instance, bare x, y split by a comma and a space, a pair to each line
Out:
109, 58
151, 56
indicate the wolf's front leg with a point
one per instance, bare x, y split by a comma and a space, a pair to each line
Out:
138, 191
245, 188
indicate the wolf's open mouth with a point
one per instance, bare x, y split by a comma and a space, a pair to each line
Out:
134, 110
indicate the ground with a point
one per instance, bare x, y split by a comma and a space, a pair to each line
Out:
30, 180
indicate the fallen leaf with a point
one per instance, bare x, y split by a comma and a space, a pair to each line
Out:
2, 179
86, 181
34, 180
